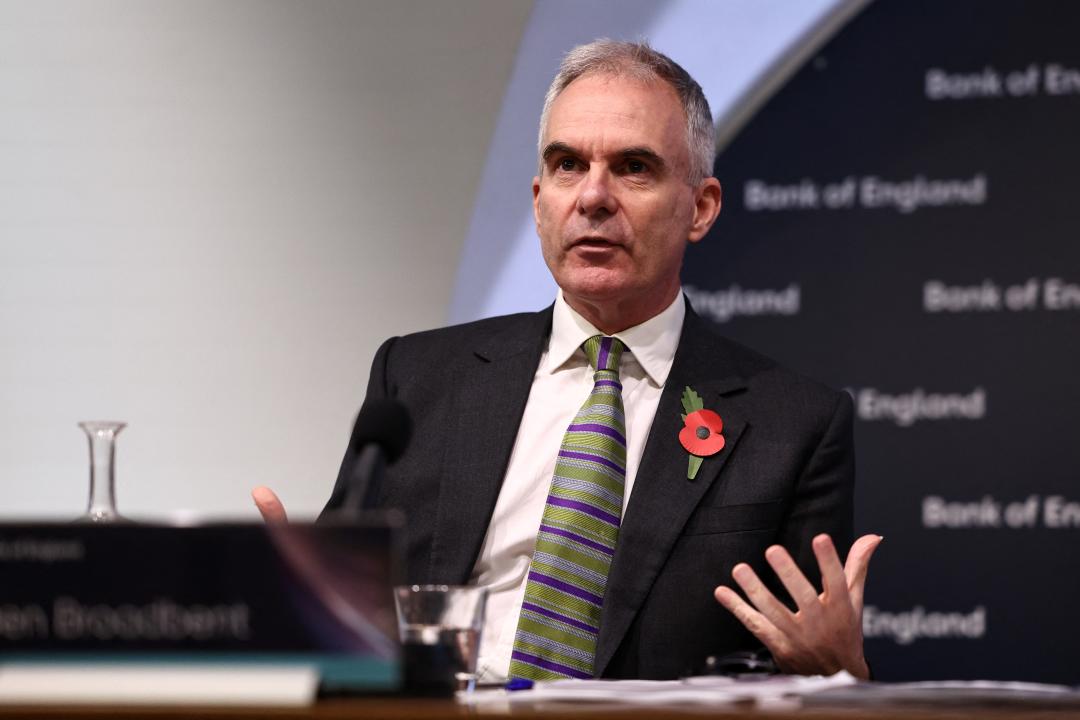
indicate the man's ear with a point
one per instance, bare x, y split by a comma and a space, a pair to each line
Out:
536, 201
707, 201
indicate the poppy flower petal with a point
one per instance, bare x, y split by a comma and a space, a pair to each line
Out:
708, 418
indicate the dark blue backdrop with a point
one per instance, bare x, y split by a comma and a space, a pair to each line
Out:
901, 220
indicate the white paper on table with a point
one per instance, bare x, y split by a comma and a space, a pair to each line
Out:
944, 692
708, 690
993, 685
119, 684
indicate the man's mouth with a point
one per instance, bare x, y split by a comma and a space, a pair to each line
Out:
593, 243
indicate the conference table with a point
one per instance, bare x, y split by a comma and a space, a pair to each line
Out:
391, 708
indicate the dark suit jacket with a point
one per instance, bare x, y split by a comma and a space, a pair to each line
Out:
785, 474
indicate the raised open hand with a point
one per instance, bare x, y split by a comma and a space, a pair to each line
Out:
825, 635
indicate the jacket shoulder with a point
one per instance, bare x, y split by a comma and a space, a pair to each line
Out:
434, 352
471, 333
767, 376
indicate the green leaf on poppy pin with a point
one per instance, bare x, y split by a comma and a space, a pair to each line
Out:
691, 401
695, 465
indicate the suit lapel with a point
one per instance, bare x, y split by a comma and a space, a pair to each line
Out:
662, 497
490, 394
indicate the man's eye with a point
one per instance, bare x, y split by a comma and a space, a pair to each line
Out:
636, 166
567, 164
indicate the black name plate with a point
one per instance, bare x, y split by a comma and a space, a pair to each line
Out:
308, 594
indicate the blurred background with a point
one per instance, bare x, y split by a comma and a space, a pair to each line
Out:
212, 214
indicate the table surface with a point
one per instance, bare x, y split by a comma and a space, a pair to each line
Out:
402, 708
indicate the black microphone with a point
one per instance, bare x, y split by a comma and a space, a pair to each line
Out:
380, 435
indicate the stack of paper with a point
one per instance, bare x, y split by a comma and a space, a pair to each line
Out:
763, 691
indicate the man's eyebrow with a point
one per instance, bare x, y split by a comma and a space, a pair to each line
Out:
646, 154
557, 147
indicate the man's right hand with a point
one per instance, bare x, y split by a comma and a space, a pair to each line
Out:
269, 506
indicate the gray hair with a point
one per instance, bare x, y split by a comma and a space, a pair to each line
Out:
640, 62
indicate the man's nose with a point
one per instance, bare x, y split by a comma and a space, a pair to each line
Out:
597, 195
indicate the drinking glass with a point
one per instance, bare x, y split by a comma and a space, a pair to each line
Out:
102, 505
439, 626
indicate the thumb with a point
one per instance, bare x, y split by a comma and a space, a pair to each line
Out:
858, 562
269, 506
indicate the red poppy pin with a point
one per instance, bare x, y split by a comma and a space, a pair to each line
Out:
701, 434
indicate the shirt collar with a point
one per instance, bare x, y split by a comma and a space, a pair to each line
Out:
652, 343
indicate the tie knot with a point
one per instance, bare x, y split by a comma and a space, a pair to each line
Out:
603, 352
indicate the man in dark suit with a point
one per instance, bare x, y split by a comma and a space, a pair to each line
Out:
624, 183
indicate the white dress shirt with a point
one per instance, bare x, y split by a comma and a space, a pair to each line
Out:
562, 382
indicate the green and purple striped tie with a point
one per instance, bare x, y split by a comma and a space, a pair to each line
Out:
560, 617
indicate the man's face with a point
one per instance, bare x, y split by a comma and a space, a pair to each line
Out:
612, 205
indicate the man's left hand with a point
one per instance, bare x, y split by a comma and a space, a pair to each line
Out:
825, 635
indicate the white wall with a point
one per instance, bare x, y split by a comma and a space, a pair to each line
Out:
211, 213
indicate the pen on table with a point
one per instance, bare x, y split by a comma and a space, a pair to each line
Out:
519, 684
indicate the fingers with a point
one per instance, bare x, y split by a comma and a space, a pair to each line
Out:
751, 619
269, 506
858, 563
761, 597
826, 634
800, 589
833, 580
